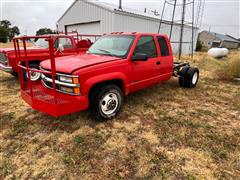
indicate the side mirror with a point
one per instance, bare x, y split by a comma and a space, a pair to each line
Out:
140, 57
60, 47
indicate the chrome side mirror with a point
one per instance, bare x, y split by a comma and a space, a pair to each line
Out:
60, 47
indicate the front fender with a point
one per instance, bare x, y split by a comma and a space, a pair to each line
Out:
89, 83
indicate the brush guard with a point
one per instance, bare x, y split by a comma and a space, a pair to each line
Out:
34, 93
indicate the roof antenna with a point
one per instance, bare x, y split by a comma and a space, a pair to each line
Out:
120, 4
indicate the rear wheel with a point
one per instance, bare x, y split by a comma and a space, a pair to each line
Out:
192, 77
106, 102
188, 77
182, 74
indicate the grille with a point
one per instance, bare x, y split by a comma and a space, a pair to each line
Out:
3, 58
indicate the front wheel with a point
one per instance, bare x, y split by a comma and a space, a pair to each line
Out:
34, 76
107, 102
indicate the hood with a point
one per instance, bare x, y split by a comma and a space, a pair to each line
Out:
10, 50
68, 64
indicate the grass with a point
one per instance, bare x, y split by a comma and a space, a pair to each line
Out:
10, 45
163, 132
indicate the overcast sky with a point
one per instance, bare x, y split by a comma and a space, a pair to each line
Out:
221, 16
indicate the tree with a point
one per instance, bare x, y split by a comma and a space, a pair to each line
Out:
44, 31
7, 32
13, 31
199, 45
3, 34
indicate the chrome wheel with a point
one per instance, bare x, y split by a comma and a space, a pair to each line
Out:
34, 76
109, 103
195, 78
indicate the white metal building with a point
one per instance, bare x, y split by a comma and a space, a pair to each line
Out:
94, 17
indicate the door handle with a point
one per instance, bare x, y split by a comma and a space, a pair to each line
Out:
158, 62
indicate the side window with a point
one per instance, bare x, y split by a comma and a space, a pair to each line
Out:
163, 46
147, 46
66, 42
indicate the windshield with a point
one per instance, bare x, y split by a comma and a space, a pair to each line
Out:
41, 42
112, 46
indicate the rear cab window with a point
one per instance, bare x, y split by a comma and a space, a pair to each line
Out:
164, 50
146, 45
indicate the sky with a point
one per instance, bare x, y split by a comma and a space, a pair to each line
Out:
222, 16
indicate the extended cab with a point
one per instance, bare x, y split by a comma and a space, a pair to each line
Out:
114, 66
64, 45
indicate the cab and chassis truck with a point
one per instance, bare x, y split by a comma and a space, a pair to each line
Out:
116, 65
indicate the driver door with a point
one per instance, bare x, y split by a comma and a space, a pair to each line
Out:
144, 73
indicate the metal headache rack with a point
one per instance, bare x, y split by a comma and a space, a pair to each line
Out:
33, 92
77, 37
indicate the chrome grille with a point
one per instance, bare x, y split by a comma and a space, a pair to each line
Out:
3, 58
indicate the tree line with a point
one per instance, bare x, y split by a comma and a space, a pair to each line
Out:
8, 32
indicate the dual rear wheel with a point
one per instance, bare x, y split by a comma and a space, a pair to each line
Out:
188, 77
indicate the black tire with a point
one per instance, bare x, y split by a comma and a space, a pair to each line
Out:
182, 73
97, 97
33, 66
191, 78
15, 74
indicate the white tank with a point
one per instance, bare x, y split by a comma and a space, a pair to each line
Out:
218, 52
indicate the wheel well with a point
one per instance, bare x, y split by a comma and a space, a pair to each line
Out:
118, 82
31, 62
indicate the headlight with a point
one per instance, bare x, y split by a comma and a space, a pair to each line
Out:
66, 79
69, 79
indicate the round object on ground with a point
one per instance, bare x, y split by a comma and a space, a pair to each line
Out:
106, 102
218, 52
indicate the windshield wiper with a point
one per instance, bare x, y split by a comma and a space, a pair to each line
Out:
108, 53
105, 51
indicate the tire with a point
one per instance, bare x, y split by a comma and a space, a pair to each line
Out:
15, 74
191, 78
35, 76
182, 73
106, 102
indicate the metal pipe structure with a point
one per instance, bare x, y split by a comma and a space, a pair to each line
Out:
160, 24
193, 19
120, 4
174, 9
182, 29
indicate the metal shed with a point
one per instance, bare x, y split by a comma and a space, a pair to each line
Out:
94, 17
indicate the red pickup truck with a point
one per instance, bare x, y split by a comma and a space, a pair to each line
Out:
64, 45
114, 66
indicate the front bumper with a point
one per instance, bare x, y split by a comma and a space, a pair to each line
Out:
6, 68
44, 100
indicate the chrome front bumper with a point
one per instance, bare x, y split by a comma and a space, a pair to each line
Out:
6, 68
